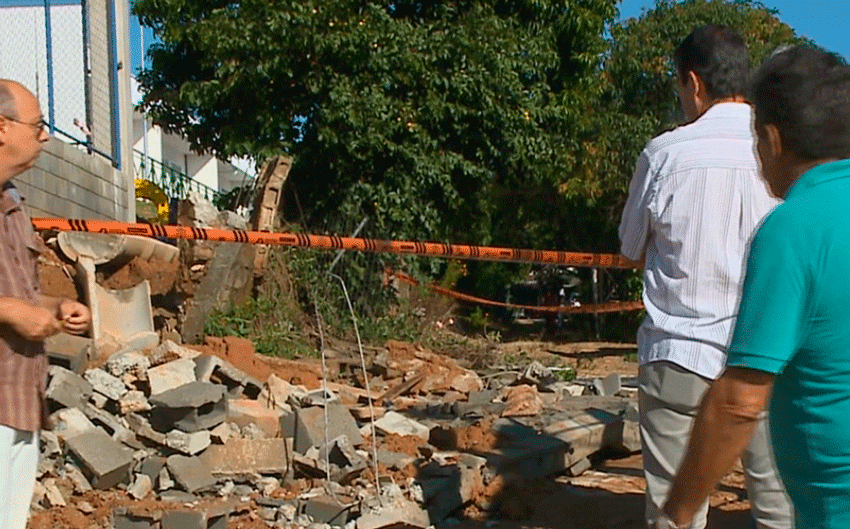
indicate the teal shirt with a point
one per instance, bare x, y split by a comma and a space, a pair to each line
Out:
794, 321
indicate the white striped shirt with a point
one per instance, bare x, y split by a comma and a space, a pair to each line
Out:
694, 202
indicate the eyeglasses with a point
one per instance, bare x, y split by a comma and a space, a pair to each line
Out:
39, 125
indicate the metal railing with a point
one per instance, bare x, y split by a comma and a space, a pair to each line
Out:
175, 184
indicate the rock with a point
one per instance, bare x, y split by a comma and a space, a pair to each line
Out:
609, 386
522, 401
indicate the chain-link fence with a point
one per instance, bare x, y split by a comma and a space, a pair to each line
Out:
44, 46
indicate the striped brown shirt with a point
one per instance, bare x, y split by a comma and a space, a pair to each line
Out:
23, 364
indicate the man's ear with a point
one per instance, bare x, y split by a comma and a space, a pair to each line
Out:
774, 140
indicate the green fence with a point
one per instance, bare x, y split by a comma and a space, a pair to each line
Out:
174, 184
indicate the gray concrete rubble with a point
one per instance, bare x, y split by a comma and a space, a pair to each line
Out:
207, 441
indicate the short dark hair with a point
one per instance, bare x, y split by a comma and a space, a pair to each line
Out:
718, 54
805, 93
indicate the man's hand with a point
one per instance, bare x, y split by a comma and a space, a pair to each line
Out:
30, 321
75, 317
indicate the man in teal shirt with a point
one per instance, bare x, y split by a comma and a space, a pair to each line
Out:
792, 336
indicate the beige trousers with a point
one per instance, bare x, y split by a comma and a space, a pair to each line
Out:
669, 399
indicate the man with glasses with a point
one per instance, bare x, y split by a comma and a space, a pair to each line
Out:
26, 316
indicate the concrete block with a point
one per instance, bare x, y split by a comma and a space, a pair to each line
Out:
105, 462
190, 473
190, 407
68, 351
248, 456
66, 388
184, 519
310, 426
205, 365
171, 375
324, 509
106, 384
587, 432
396, 423
608, 386
287, 424
70, 422
243, 412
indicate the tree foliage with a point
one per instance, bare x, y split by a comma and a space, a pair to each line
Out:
428, 116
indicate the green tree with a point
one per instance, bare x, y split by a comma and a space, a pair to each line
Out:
639, 100
432, 117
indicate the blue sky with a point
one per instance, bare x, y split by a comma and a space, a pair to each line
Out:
825, 22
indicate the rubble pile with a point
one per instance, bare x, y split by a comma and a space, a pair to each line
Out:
180, 437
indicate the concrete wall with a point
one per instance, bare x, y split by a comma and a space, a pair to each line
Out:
68, 182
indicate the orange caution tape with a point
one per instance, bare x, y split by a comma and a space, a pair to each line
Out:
612, 306
325, 242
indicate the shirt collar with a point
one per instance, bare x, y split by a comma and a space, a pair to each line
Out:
11, 199
727, 109
818, 175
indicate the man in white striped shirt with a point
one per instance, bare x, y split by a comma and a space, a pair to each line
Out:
695, 200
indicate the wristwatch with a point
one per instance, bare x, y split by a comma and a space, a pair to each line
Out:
664, 522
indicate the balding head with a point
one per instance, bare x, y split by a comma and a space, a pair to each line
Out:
10, 94
22, 133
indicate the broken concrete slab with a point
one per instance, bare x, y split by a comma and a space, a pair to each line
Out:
66, 388
190, 473
191, 407
70, 422
133, 401
395, 423
324, 509
106, 384
105, 462
310, 426
248, 456
141, 487
184, 519
68, 351
128, 361
171, 375
243, 412
188, 443
400, 513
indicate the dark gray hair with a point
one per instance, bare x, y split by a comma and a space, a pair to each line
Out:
805, 93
